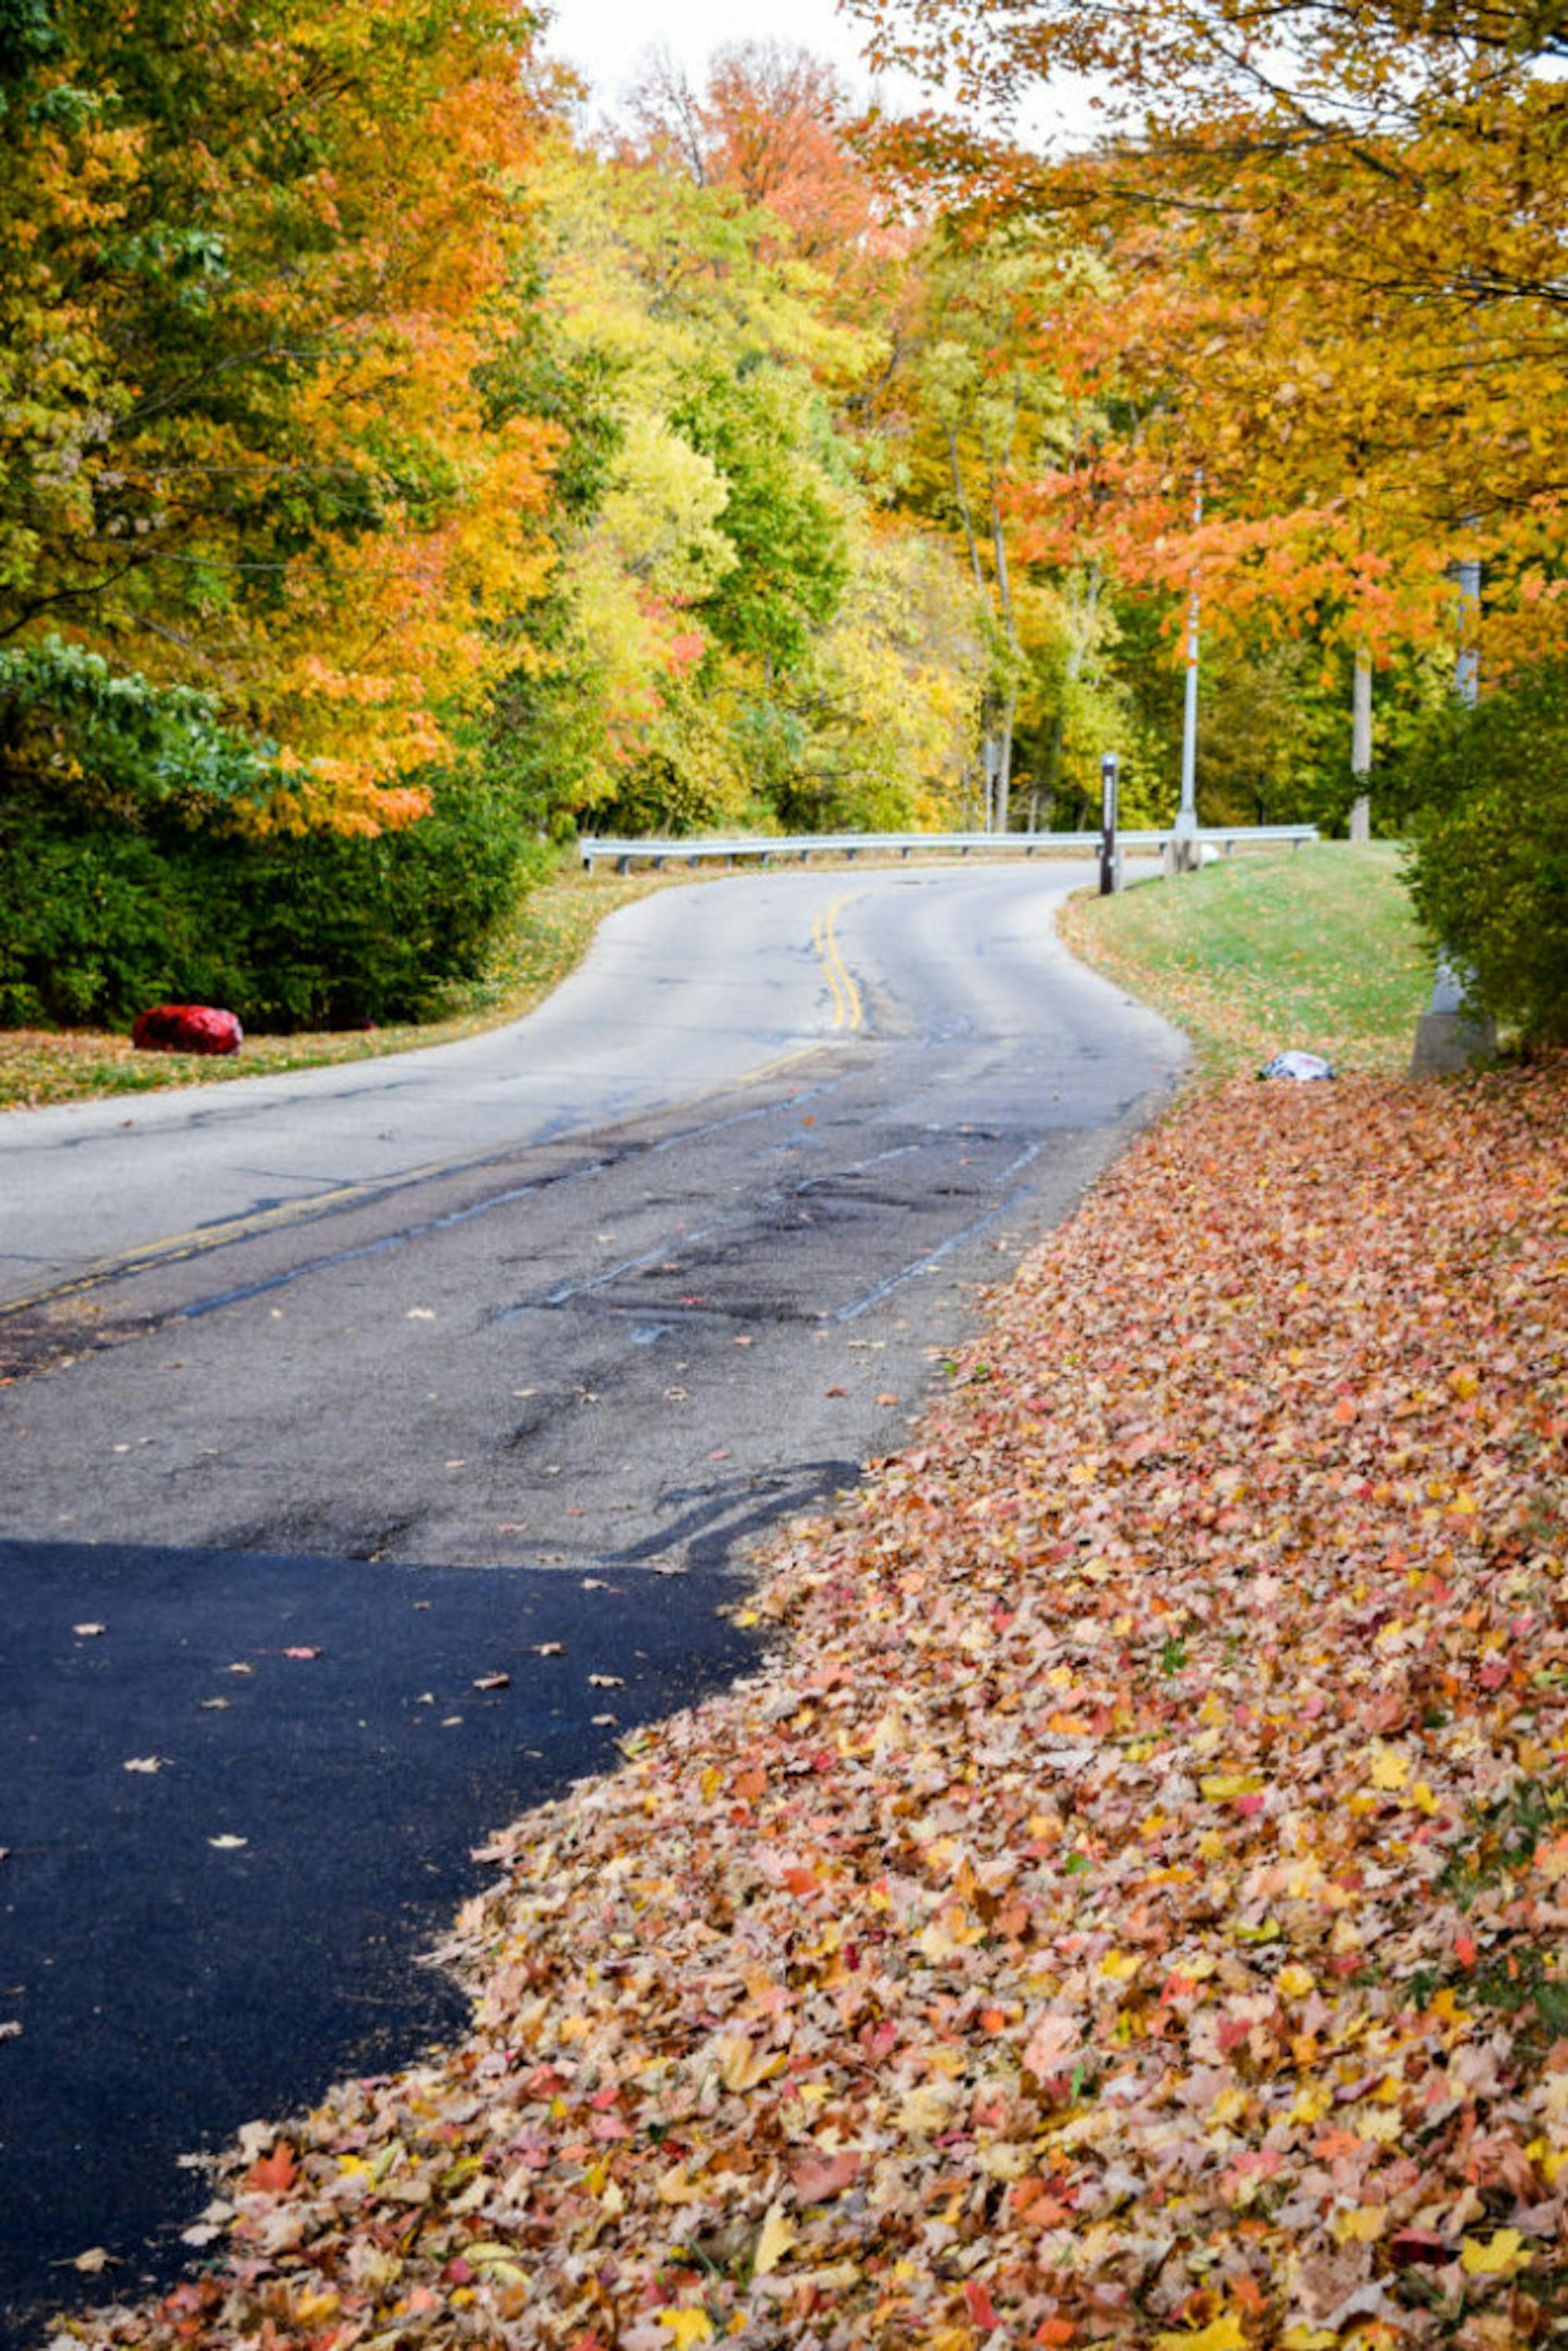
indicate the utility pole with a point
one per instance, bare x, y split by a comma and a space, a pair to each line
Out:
1468, 662
1361, 744
1186, 814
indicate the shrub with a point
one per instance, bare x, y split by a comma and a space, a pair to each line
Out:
127, 876
1489, 868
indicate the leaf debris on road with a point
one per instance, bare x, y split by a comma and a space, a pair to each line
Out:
1130, 1909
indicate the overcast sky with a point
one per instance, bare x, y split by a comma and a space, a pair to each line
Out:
606, 40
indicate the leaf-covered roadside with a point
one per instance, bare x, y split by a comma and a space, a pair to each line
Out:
1129, 1911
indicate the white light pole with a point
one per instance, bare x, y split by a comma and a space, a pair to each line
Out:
1186, 814
1467, 663
1361, 744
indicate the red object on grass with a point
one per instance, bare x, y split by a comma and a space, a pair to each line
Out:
187, 1029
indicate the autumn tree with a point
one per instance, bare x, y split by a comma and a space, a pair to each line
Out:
1350, 219
253, 264
778, 126
718, 643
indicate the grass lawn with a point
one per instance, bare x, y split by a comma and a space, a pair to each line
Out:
1314, 948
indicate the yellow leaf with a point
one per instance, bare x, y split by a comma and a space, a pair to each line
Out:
742, 2064
1119, 1966
1389, 1768
937, 1944
775, 2240
314, 2308
926, 2110
1362, 2227
1309, 2338
1295, 1981
1219, 1786
687, 2327
1225, 2334
1504, 2255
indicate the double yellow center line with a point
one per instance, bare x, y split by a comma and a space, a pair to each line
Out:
848, 1010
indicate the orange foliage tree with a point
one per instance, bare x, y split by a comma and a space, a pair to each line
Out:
258, 274
776, 125
1335, 238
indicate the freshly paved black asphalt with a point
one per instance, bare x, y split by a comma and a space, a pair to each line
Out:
168, 1987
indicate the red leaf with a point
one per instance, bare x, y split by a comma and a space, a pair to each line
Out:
979, 2302
274, 2174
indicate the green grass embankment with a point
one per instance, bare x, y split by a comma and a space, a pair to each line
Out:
1316, 947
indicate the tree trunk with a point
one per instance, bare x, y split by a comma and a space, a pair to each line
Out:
967, 519
1005, 597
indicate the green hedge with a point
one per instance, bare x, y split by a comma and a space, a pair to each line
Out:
129, 875
103, 919
1489, 868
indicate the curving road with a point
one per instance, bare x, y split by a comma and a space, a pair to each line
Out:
337, 1395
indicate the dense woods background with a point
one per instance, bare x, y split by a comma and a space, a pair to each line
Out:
401, 467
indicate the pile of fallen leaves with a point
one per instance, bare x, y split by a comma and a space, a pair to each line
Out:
1132, 1907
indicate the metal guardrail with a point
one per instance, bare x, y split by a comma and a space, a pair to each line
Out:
803, 846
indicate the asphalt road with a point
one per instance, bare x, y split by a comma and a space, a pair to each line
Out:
486, 1361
